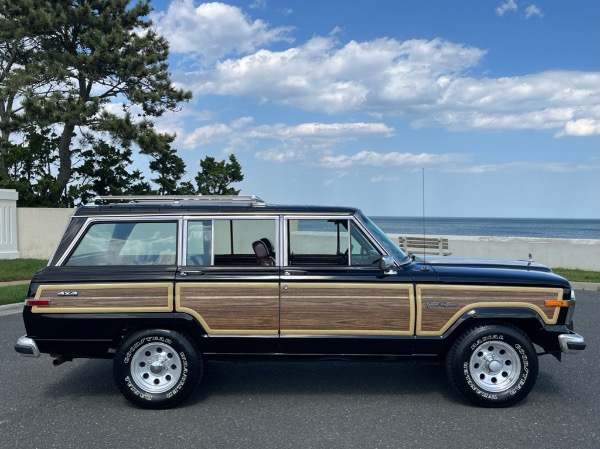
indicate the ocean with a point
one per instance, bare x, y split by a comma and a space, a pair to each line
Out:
499, 227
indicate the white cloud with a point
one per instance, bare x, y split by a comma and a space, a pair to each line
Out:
543, 101
207, 134
508, 6
392, 159
533, 11
380, 75
444, 162
553, 167
425, 81
344, 131
214, 30
258, 4
302, 142
381, 178
283, 154
582, 127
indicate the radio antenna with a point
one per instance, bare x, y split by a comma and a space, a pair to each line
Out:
423, 192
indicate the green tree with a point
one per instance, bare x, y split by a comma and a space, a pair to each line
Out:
215, 178
29, 166
86, 54
15, 49
104, 171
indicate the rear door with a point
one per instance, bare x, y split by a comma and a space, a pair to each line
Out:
222, 284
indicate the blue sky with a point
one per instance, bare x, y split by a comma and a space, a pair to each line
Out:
346, 102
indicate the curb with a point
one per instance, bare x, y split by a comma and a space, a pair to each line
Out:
5, 283
11, 309
586, 286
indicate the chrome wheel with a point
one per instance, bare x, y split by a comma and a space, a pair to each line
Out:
495, 366
156, 367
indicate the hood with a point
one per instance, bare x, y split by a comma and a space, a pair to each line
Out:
529, 265
492, 272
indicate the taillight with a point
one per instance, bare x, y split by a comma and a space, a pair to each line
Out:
37, 302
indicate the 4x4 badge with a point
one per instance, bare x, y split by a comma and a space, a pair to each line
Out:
67, 294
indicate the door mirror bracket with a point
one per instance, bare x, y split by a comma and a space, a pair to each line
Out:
386, 263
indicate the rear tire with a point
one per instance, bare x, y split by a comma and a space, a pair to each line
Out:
157, 368
493, 365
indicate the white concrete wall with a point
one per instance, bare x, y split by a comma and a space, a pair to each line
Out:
40, 230
555, 253
8, 224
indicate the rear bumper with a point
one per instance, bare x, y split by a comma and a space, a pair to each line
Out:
571, 343
27, 347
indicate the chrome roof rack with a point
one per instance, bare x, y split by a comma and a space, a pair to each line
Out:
250, 200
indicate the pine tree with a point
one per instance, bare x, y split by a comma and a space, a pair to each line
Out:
80, 56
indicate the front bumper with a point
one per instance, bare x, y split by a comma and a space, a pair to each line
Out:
27, 347
571, 343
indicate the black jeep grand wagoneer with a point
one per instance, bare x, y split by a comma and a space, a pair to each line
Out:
163, 284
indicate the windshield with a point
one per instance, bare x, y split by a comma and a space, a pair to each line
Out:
384, 240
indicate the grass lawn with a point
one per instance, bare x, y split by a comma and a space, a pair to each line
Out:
578, 275
19, 269
11, 294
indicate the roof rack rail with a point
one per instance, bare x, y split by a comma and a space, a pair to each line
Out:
250, 200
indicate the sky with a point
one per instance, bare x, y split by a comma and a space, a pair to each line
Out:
492, 105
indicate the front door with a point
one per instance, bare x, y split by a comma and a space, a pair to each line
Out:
334, 297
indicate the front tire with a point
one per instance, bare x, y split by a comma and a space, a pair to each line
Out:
157, 368
493, 365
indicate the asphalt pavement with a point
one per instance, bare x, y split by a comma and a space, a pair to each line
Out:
299, 405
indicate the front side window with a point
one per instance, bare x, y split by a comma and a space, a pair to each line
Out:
329, 242
127, 243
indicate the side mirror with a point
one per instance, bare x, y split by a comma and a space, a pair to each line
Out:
386, 263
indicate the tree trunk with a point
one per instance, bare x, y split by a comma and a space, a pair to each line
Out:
4, 141
65, 168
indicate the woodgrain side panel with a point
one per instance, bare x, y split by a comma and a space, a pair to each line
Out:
438, 307
227, 308
347, 309
105, 298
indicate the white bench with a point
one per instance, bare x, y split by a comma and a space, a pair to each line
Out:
425, 245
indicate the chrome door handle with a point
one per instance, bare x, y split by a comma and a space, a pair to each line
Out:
185, 273
294, 272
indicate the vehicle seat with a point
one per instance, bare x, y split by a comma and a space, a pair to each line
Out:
270, 247
263, 256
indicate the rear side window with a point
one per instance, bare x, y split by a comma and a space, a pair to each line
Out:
127, 243
231, 242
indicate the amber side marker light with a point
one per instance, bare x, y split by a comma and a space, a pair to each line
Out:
556, 303
38, 302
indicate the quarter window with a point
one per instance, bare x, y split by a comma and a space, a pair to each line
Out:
127, 243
